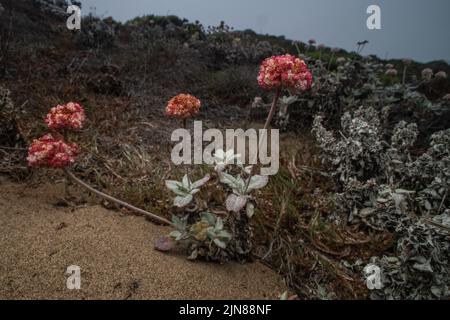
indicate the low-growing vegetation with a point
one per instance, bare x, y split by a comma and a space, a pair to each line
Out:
364, 152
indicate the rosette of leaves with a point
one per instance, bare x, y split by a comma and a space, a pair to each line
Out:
204, 237
185, 189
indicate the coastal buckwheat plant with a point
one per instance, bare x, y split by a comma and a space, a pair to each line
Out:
206, 234
229, 237
52, 151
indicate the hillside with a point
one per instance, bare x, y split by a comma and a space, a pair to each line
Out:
364, 154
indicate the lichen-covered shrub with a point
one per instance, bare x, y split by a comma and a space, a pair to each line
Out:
96, 33
357, 153
384, 186
227, 47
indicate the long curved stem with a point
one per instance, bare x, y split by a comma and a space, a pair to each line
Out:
117, 201
268, 121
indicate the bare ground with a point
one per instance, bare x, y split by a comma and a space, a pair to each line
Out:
39, 240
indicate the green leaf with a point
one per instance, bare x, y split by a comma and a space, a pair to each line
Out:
224, 235
177, 235
250, 209
194, 191
284, 296
199, 183
235, 203
186, 182
219, 224
228, 179
257, 182
193, 255
176, 187
220, 243
209, 218
211, 233
181, 202
173, 185
180, 224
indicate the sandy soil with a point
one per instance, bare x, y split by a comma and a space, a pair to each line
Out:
39, 240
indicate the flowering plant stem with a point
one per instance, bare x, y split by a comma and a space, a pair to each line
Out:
268, 121
331, 60
404, 74
186, 166
117, 201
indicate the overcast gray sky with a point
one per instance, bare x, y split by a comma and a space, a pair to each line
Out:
418, 29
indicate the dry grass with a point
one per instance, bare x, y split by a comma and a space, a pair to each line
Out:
126, 154
296, 238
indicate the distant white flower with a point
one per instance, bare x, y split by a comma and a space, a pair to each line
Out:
441, 75
427, 74
257, 102
391, 72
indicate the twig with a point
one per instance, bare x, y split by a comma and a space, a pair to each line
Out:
12, 148
119, 202
437, 225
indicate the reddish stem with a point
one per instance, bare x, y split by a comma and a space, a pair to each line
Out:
266, 125
117, 201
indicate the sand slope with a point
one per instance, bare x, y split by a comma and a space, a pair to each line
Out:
38, 241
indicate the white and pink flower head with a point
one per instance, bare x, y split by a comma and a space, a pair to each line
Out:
51, 152
285, 71
183, 106
407, 61
68, 116
391, 72
441, 75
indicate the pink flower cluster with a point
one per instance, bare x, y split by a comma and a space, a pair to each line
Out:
441, 75
284, 71
391, 72
52, 152
183, 106
68, 116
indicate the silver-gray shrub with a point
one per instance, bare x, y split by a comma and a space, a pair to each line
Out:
384, 186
